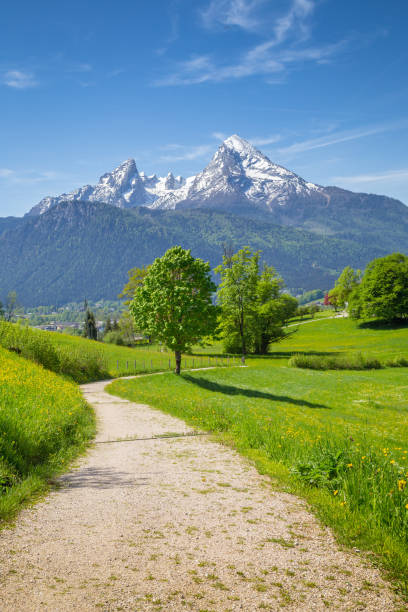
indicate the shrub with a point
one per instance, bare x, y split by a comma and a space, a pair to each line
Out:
335, 362
114, 337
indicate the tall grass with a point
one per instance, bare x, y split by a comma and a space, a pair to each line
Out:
356, 361
335, 362
44, 422
82, 364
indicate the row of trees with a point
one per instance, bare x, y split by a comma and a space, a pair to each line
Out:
172, 300
381, 292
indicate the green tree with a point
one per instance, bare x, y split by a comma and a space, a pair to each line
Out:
288, 307
90, 330
10, 306
108, 326
383, 291
1, 310
174, 303
348, 280
253, 307
265, 323
136, 280
237, 294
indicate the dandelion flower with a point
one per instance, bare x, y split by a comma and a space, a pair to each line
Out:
335, 492
349, 465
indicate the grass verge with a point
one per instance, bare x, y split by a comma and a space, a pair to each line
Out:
44, 424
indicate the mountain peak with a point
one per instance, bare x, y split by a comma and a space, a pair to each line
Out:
238, 144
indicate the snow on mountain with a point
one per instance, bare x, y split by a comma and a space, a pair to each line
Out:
238, 176
125, 187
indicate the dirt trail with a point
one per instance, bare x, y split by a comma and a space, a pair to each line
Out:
177, 523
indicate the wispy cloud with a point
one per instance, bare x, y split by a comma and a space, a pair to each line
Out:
174, 22
29, 176
339, 137
267, 140
219, 135
272, 58
81, 67
6, 172
388, 175
232, 13
17, 79
177, 152
258, 61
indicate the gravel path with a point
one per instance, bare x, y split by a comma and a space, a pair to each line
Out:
178, 523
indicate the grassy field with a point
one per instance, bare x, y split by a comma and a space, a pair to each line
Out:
122, 360
44, 423
339, 438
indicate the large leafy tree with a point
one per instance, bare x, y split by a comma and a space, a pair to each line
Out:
253, 307
383, 291
174, 303
237, 294
344, 286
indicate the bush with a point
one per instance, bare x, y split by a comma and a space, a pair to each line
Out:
335, 362
114, 337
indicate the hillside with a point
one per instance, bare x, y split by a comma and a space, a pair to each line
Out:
79, 249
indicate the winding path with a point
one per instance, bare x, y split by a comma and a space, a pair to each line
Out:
174, 523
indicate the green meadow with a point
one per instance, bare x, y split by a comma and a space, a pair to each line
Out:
44, 424
338, 438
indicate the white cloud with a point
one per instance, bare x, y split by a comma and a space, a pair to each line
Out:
29, 176
183, 152
285, 47
377, 177
261, 60
266, 140
219, 135
18, 79
233, 13
339, 137
6, 172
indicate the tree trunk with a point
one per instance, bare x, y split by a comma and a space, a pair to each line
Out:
242, 333
177, 355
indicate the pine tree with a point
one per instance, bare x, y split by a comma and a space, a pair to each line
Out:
90, 330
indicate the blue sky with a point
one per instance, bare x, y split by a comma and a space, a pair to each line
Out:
320, 86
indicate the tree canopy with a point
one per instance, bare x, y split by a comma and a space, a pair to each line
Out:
344, 286
383, 291
253, 307
174, 303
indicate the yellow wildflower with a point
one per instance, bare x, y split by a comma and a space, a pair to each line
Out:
401, 484
349, 465
392, 461
335, 492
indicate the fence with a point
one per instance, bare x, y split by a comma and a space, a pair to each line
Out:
161, 364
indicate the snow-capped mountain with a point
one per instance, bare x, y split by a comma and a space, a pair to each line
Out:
238, 176
125, 187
